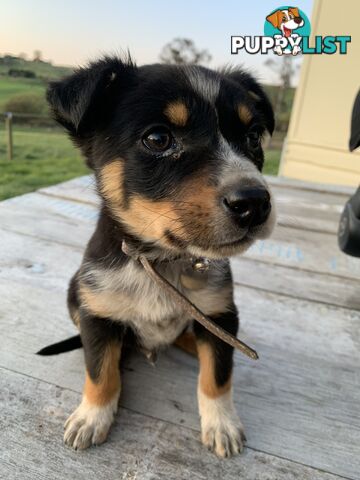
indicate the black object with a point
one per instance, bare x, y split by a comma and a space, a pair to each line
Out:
349, 226
67, 345
354, 141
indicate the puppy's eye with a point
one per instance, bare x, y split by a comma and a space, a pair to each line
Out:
253, 138
158, 140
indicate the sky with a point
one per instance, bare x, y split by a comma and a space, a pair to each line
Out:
71, 32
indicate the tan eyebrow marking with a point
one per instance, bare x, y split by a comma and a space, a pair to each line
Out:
177, 113
244, 114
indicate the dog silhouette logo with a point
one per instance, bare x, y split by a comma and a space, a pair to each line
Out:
287, 32
287, 25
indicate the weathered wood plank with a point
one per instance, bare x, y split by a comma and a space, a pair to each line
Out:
305, 285
35, 259
139, 447
308, 368
50, 218
294, 184
309, 251
300, 401
81, 189
72, 223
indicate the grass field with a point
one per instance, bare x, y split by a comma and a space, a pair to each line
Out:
46, 157
41, 158
272, 160
10, 86
15, 86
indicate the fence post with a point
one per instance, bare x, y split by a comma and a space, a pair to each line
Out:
9, 136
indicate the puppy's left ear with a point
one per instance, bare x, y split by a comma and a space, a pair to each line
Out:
84, 101
256, 92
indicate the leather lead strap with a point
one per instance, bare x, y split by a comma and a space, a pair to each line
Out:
188, 306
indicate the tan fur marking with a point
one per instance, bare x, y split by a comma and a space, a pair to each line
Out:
193, 282
199, 193
244, 114
150, 219
111, 176
144, 217
187, 342
177, 113
199, 207
107, 386
207, 380
75, 315
103, 304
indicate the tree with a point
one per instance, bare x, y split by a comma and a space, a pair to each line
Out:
182, 51
37, 56
285, 70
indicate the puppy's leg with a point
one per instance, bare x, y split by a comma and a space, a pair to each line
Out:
187, 342
221, 429
90, 422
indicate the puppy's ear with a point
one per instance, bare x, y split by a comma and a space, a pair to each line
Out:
294, 11
85, 100
274, 19
255, 91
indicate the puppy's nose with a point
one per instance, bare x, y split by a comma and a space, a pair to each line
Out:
250, 206
298, 20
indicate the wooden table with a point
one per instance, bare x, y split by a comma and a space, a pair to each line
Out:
299, 301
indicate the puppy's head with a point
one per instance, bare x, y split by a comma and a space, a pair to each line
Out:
176, 151
286, 20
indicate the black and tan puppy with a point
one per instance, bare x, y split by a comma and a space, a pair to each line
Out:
177, 157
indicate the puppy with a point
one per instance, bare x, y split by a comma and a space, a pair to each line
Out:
286, 21
176, 153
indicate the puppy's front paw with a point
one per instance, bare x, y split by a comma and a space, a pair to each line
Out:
221, 429
89, 425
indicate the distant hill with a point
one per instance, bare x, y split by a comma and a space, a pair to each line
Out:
41, 69
19, 76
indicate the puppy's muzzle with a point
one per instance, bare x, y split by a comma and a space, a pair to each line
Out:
249, 206
298, 20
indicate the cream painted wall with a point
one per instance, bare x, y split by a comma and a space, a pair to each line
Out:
316, 148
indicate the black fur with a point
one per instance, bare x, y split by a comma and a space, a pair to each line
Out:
106, 108
96, 334
67, 345
170, 204
223, 352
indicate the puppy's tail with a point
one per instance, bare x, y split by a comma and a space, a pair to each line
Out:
67, 345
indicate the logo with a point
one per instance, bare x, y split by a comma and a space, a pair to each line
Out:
286, 32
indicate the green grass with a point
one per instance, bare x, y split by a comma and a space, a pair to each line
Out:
10, 86
41, 158
15, 86
272, 161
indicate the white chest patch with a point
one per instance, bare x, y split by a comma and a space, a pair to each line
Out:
129, 295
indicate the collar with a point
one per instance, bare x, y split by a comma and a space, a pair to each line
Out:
184, 302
